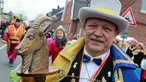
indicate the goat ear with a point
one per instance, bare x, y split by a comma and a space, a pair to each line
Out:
44, 29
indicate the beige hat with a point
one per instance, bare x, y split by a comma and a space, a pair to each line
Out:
104, 9
61, 28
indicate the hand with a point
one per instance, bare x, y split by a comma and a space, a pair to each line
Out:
3, 41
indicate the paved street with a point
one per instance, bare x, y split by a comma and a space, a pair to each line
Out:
4, 68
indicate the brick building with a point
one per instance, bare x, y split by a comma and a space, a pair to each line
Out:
139, 31
70, 18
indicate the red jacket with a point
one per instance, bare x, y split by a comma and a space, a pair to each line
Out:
54, 50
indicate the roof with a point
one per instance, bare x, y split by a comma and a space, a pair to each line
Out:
77, 4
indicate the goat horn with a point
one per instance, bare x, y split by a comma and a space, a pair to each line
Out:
40, 20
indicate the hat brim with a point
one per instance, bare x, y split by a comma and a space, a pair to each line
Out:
86, 12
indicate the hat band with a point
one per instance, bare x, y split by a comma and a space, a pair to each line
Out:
104, 10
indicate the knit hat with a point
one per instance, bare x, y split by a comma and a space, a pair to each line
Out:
18, 20
61, 28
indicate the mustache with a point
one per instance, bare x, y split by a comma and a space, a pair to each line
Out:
100, 39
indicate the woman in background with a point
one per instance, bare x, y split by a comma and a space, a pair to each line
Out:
138, 54
59, 42
131, 48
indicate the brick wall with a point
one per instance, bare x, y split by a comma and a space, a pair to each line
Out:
138, 32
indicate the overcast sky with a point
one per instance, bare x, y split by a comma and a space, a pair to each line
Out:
31, 8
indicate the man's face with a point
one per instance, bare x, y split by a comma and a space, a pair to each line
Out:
17, 23
99, 35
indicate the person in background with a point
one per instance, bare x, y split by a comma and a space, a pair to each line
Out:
52, 34
48, 34
131, 48
143, 66
48, 37
12, 38
49, 41
138, 53
4, 25
95, 57
59, 42
26, 25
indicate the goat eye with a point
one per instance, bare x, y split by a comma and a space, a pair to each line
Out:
31, 37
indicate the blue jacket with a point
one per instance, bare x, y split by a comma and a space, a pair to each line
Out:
124, 68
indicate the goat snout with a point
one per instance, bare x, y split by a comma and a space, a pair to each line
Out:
18, 50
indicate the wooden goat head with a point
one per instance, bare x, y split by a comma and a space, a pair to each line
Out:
33, 48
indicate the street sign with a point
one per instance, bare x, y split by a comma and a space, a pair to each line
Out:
124, 34
128, 15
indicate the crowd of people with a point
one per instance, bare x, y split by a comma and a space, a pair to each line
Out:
137, 52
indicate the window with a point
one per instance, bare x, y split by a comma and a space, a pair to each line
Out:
143, 7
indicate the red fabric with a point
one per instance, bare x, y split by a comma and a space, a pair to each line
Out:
12, 53
54, 50
144, 74
5, 37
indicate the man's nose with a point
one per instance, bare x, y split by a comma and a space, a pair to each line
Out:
98, 32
